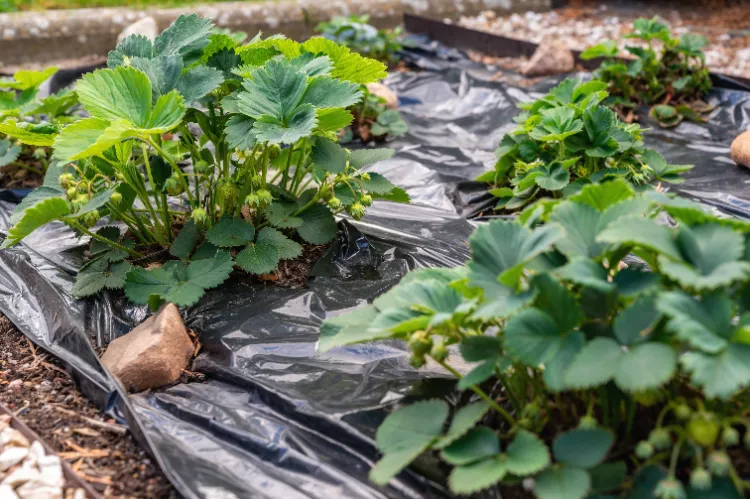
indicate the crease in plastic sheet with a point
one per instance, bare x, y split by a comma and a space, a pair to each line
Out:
275, 418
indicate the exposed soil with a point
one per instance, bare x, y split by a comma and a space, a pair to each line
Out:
292, 273
15, 177
43, 395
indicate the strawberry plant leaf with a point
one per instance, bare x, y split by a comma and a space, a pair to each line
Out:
378, 184
318, 225
602, 196
643, 232
185, 242
333, 119
275, 89
478, 375
329, 156
280, 215
130, 47
554, 370
594, 365
557, 301
326, 92
532, 336
553, 177
299, 123
583, 448
645, 367
635, 322
239, 132
706, 324
260, 257
527, 454
557, 124
562, 483
405, 434
185, 37
43, 192
231, 232
41, 213
720, 375
28, 79
26, 136
366, 157
598, 122
477, 444
474, 477
286, 248
8, 152
90, 137
120, 93
90, 282
348, 329
464, 420
177, 283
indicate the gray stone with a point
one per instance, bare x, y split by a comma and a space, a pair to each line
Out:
153, 354
385, 93
146, 27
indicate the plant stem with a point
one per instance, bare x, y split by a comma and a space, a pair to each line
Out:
173, 164
161, 199
481, 394
75, 224
27, 167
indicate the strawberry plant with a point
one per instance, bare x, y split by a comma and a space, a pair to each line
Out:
356, 33
27, 124
210, 155
374, 120
578, 374
566, 140
667, 73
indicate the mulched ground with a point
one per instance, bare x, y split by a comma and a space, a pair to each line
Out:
37, 388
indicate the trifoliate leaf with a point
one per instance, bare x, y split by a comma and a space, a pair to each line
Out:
645, 367
606, 49
121, 93
662, 170
562, 483
333, 119
366, 157
273, 90
557, 124
198, 82
557, 301
583, 448
325, 92
594, 365
90, 283
286, 248
405, 434
313, 66
554, 370
90, 137
280, 215
476, 445
598, 122
706, 324
602, 196
632, 282
350, 328
642, 232
328, 155
500, 250
378, 184
318, 225
261, 257
185, 242
635, 322
463, 421
721, 375
26, 136
532, 337
130, 47
553, 177
354, 68
38, 194
231, 232
299, 123
587, 273
43, 212
174, 282
527, 454
239, 132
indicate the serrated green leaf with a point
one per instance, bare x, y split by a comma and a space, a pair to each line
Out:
478, 375
326, 92
721, 375
273, 90
553, 178
554, 370
378, 185
586, 273
527, 454
43, 212
642, 232
318, 225
635, 322
602, 196
532, 336
562, 483
38, 194
8, 152
90, 283
120, 93
286, 248
366, 157
328, 155
464, 420
132, 46
349, 328
90, 137
25, 136
333, 119
231, 232
280, 215
25, 79
405, 434
185, 242
478, 348
583, 448
706, 324
645, 367
474, 477
632, 282
476, 445
187, 35
558, 302
594, 365
299, 123
260, 257
607, 476
239, 132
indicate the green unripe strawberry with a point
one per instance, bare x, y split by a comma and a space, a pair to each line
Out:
439, 352
648, 397
39, 153
703, 429
670, 488
588, 422
256, 181
660, 438
365, 177
420, 343
264, 196
89, 219
334, 203
173, 186
531, 410
227, 193
730, 436
366, 200
417, 361
683, 412
252, 200
199, 215
71, 192
116, 198
719, 463
525, 423
644, 449
357, 211
66, 179
201, 167
700, 479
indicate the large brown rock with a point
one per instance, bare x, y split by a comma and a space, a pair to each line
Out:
385, 93
551, 57
740, 150
153, 354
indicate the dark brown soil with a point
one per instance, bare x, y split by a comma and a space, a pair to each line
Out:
35, 386
293, 273
15, 177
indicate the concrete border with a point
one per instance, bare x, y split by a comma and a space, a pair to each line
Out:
44, 37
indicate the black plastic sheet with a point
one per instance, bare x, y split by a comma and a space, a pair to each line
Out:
275, 418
